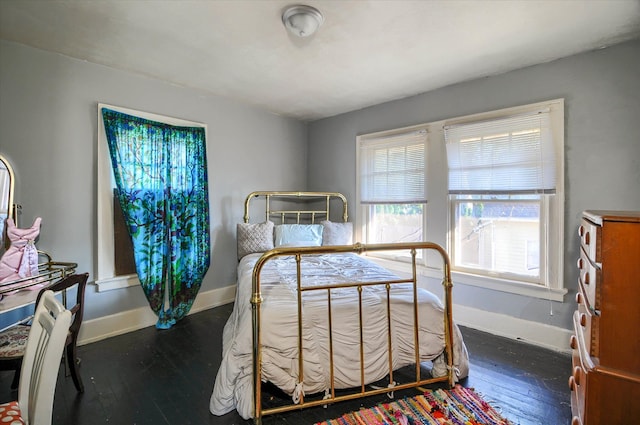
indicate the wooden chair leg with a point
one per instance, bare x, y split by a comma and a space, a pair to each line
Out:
72, 361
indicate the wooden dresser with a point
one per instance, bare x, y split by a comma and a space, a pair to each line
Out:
605, 381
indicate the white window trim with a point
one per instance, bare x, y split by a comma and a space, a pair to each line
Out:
105, 271
556, 289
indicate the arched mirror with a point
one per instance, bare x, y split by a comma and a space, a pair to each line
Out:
7, 208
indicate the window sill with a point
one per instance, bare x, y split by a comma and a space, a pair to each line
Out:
117, 282
503, 285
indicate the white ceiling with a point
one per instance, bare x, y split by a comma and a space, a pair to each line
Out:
365, 53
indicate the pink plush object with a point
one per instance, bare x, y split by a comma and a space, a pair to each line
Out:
21, 259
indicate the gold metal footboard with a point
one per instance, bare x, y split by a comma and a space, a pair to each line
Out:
299, 253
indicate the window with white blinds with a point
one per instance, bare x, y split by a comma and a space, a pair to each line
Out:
505, 193
502, 156
495, 181
392, 168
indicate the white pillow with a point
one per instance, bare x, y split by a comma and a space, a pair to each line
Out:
337, 233
298, 235
254, 237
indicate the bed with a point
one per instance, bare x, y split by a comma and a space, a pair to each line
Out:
320, 310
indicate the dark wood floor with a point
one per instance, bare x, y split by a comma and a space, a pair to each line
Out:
166, 377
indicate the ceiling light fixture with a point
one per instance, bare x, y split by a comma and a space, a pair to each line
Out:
301, 20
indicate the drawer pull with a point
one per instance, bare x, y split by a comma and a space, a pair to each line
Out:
576, 374
583, 320
580, 231
587, 238
578, 298
576, 421
586, 278
573, 342
580, 263
572, 383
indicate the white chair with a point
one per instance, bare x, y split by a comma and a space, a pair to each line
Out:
40, 365
13, 341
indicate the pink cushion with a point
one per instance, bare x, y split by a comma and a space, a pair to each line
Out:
10, 414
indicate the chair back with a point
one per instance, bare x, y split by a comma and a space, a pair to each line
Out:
77, 309
41, 361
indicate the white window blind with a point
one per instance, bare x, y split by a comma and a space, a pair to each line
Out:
392, 168
507, 155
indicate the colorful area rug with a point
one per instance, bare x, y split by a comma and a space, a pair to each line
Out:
458, 406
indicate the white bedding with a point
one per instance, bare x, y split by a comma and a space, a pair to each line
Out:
233, 386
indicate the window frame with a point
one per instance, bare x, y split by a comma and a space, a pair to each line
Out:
363, 209
438, 213
551, 233
106, 278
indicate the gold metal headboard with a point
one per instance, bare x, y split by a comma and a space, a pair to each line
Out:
312, 214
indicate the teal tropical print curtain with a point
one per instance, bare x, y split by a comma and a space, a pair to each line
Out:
160, 172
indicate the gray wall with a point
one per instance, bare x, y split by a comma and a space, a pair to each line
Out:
602, 148
48, 131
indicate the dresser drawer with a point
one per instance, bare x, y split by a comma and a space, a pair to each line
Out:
589, 278
586, 324
590, 239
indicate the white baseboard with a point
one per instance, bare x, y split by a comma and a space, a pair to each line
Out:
127, 321
547, 336
539, 334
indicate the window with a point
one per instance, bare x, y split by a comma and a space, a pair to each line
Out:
503, 180
123, 259
392, 189
498, 235
115, 267
496, 194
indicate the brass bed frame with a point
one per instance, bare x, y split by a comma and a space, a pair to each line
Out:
299, 253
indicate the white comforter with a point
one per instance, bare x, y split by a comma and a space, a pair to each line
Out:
233, 387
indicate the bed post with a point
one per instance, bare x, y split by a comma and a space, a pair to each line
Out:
256, 301
448, 329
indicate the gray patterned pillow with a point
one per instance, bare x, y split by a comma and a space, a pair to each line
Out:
256, 237
337, 233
